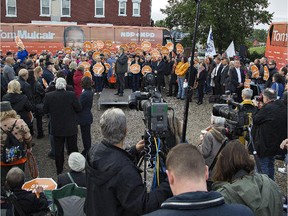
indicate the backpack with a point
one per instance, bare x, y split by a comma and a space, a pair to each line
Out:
13, 149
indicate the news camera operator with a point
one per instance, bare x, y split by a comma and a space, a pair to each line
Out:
269, 130
114, 183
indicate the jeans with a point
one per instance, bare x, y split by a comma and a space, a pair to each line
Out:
267, 166
181, 90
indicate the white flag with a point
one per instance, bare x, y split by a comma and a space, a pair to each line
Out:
231, 50
210, 48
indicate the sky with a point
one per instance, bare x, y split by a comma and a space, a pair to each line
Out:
279, 7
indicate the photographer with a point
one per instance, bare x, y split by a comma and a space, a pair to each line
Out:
114, 182
270, 129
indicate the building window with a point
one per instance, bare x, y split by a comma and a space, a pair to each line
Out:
66, 5
45, 7
122, 7
136, 7
11, 9
99, 8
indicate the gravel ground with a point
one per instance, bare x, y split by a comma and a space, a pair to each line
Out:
198, 119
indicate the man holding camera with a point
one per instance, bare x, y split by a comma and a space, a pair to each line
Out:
114, 182
270, 128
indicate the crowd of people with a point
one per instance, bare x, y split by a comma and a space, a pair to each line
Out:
63, 87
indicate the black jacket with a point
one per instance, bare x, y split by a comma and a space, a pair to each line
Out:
192, 74
38, 92
202, 77
233, 79
20, 104
29, 203
114, 184
201, 204
26, 88
270, 128
85, 117
121, 65
225, 76
63, 107
78, 177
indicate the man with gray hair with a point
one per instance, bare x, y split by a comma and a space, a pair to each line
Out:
114, 182
62, 107
269, 130
25, 86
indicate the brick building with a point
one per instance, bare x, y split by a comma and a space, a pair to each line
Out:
115, 12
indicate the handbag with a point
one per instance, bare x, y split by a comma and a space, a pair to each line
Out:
112, 79
32, 165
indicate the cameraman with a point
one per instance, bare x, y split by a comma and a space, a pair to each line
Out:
114, 182
270, 129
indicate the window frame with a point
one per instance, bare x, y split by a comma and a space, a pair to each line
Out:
47, 15
11, 15
99, 16
139, 8
62, 9
122, 1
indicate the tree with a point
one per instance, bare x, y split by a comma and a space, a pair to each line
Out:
161, 23
259, 34
230, 19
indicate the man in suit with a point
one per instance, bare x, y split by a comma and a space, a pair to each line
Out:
217, 76
121, 68
224, 80
237, 79
62, 107
160, 70
48, 74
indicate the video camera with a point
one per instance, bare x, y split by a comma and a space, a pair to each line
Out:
236, 117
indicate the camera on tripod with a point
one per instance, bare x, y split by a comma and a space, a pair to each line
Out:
236, 118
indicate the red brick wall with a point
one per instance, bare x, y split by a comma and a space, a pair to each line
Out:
27, 10
82, 12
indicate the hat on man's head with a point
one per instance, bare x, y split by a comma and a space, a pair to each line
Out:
5, 106
76, 162
29, 63
49, 63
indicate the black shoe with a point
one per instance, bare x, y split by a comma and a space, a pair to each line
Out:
121, 94
182, 98
177, 97
117, 93
40, 136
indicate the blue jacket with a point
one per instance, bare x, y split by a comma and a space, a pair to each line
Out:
48, 76
85, 117
200, 203
22, 55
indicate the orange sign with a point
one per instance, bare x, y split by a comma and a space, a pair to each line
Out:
146, 69
155, 53
46, 183
107, 65
106, 52
98, 44
108, 43
95, 55
88, 74
179, 48
170, 46
133, 45
98, 69
19, 42
68, 50
135, 68
87, 46
138, 51
158, 47
266, 73
165, 50
247, 83
86, 65
146, 46
255, 71
124, 46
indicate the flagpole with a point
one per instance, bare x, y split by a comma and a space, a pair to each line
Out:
189, 88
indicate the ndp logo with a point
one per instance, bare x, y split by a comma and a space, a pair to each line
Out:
142, 34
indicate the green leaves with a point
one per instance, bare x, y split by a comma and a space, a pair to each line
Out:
230, 19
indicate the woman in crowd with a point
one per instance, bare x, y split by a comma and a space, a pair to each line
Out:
19, 102
76, 162
136, 77
85, 117
10, 121
69, 77
201, 78
277, 85
237, 181
77, 80
38, 95
180, 70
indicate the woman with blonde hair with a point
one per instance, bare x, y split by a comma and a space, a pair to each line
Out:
72, 69
10, 121
19, 102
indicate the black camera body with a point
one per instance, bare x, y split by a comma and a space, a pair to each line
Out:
236, 118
